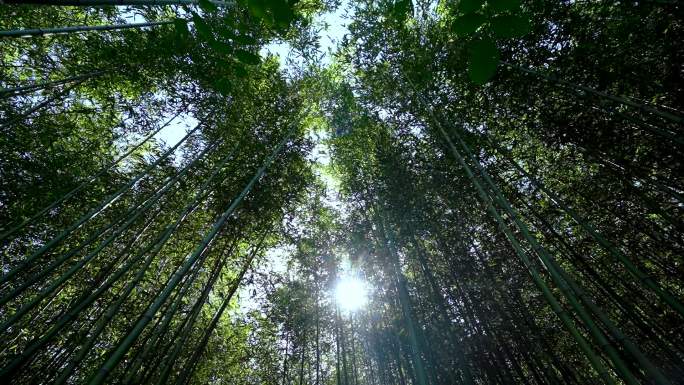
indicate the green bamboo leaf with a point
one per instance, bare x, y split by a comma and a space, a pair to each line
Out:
245, 40
468, 24
207, 6
181, 26
402, 8
223, 86
203, 29
467, 6
510, 26
258, 8
247, 57
220, 47
484, 58
282, 12
226, 32
503, 5
240, 71
182, 32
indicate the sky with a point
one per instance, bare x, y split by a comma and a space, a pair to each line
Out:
335, 27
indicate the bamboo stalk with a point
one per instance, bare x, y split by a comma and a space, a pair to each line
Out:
16, 91
618, 99
33, 32
25, 114
77, 266
97, 210
589, 228
101, 3
546, 292
84, 301
124, 345
199, 350
85, 182
189, 322
569, 287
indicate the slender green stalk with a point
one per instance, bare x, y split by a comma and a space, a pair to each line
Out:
95, 211
186, 373
19, 118
100, 3
81, 28
617, 99
111, 311
570, 288
437, 298
21, 90
591, 230
135, 365
168, 316
44, 293
124, 255
71, 314
117, 354
85, 182
546, 292
188, 323
548, 261
151, 342
132, 214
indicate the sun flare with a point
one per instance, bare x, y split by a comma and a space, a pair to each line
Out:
351, 293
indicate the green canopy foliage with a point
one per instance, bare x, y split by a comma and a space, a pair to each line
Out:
504, 175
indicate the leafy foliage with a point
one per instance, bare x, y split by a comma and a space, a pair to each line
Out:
505, 175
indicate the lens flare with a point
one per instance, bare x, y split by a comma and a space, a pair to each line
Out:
351, 293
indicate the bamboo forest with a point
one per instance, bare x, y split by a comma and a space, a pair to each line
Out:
340, 192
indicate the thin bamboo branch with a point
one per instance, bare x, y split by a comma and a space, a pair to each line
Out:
33, 32
16, 91
100, 3
117, 354
85, 182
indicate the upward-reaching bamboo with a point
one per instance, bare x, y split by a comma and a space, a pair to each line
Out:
122, 347
188, 323
387, 241
85, 182
568, 287
49, 100
589, 228
665, 115
562, 314
75, 29
21, 90
44, 293
100, 3
186, 373
95, 211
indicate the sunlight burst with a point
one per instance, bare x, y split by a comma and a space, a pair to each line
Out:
351, 293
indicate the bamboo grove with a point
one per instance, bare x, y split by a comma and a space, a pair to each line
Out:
505, 176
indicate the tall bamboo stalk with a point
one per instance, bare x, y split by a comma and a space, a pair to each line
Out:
8, 123
618, 99
77, 266
548, 295
75, 29
591, 230
101, 3
95, 211
191, 365
567, 286
16, 91
86, 182
188, 323
124, 345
